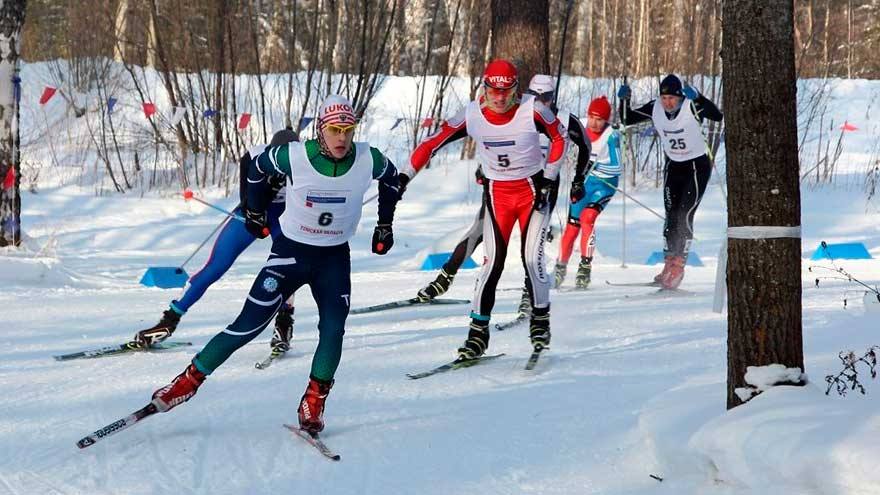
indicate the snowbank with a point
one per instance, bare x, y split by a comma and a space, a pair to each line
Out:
792, 440
25, 271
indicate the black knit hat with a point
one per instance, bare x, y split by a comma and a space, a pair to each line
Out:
284, 136
671, 85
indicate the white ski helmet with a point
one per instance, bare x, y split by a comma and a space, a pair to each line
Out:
542, 83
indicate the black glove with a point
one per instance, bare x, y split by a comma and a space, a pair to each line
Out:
577, 189
402, 181
545, 191
479, 176
383, 238
255, 223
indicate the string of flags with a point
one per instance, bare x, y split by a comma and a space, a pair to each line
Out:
244, 119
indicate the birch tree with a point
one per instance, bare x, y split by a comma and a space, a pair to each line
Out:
11, 21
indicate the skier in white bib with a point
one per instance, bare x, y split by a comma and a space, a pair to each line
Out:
520, 187
677, 116
327, 179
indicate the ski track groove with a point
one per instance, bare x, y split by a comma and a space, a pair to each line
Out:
167, 475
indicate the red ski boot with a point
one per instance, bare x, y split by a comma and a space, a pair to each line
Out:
658, 279
180, 390
675, 274
311, 406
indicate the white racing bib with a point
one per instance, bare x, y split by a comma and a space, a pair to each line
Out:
321, 210
600, 154
681, 137
510, 151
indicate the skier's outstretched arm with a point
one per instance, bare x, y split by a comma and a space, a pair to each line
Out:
449, 131
578, 136
548, 124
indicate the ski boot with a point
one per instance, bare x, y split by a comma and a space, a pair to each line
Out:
675, 274
658, 279
539, 328
525, 303
559, 274
477, 341
582, 279
160, 331
436, 288
180, 390
280, 342
311, 406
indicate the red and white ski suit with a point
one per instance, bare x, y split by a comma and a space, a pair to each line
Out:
510, 154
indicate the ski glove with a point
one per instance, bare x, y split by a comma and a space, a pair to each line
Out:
690, 93
383, 238
479, 176
255, 223
624, 93
577, 189
403, 181
545, 191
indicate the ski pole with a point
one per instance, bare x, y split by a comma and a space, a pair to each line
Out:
188, 195
562, 50
201, 245
623, 172
643, 205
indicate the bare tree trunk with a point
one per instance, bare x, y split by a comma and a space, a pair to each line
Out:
826, 62
121, 31
222, 8
581, 38
521, 34
849, 38
764, 274
11, 22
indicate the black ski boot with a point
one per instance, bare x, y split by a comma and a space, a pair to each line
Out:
582, 279
160, 331
477, 341
539, 328
525, 303
436, 288
559, 275
280, 342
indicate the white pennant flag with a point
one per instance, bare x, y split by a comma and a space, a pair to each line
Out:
179, 112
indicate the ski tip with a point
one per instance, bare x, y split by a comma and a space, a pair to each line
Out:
85, 442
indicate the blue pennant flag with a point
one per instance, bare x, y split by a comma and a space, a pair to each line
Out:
111, 102
304, 122
209, 113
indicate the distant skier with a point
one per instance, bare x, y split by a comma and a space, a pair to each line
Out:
233, 239
589, 196
327, 179
519, 187
677, 116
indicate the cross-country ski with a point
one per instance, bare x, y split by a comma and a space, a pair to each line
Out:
115, 350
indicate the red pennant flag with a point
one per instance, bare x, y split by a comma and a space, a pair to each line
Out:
9, 181
149, 109
848, 127
244, 120
48, 93
428, 122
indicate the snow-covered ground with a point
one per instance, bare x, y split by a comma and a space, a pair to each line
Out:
633, 386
